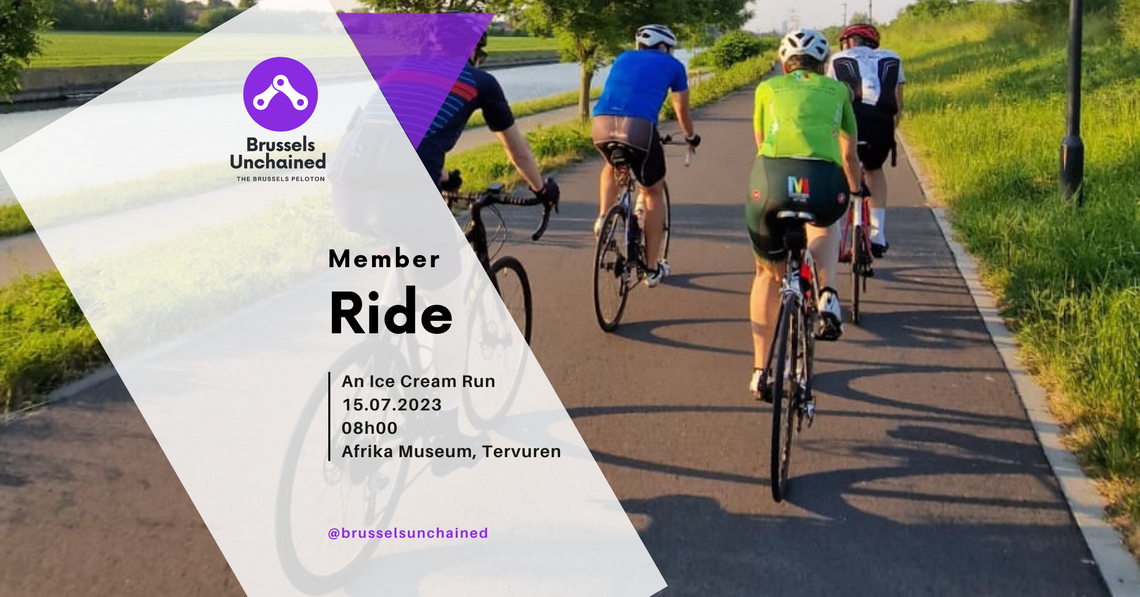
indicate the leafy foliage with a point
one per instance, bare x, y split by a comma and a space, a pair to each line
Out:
21, 23
737, 47
591, 32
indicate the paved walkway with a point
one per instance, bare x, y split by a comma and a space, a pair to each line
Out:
921, 475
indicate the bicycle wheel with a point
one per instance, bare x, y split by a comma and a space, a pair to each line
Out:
857, 264
611, 276
364, 491
668, 226
784, 395
499, 354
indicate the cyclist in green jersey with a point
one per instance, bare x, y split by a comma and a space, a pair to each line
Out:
806, 160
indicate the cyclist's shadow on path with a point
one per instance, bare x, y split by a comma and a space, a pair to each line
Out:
821, 543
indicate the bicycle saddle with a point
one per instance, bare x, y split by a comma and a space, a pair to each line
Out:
618, 152
798, 216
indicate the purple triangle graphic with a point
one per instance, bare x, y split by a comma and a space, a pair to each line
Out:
415, 58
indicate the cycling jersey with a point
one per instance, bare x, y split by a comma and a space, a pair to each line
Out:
638, 83
872, 74
801, 115
473, 90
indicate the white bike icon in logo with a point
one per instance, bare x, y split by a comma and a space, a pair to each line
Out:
280, 84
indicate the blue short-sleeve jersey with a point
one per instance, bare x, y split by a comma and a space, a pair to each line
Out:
638, 83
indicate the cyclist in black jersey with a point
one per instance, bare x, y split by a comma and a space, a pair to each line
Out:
474, 89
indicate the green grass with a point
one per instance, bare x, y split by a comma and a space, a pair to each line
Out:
68, 48
73, 48
537, 106
985, 112
13, 220
44, 340
520, 44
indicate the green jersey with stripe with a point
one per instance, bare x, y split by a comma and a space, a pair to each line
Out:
801, 115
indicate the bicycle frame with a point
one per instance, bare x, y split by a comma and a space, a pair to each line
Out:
801, 285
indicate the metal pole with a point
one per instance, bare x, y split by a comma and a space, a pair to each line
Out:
844, 14
1072, 148
870, 12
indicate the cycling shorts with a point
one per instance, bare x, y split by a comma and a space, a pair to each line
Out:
640, 140
815, 186
876, 135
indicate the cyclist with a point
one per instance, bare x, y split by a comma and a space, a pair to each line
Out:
474, 89
876, 79
805, 133
626, 113
364, 171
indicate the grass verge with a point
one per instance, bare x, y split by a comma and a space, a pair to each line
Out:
64, 49
985, 112
13, 220
45, 341
536, 106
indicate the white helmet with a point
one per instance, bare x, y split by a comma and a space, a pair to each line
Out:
804, 42
651, 35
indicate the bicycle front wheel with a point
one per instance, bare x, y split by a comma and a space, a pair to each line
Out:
784, 395
492, 346
668, 226
858, 261
611, 269
318, 477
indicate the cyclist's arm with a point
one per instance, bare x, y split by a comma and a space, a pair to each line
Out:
848, 142
681, 108
851, 167
518, 150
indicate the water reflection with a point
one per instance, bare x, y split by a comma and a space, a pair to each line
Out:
520, 83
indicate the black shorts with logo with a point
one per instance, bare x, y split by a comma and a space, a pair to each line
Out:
876, 135
640, 140
815, 186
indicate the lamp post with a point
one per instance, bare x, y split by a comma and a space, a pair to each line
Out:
1072, 148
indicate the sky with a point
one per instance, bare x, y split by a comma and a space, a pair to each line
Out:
817, 14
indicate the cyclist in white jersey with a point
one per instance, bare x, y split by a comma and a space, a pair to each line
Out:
876, 79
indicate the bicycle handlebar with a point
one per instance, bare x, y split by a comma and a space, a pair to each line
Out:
669, 140
496, 195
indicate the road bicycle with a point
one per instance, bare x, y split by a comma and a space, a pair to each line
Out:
366, 490
789, 363
619, 259
855, 248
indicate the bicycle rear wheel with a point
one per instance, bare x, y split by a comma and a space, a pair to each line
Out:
611, 276
492, 348
784, 394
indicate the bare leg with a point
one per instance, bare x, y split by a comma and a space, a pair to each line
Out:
654, 224
608, 191
765, 308
877, 184
824, 246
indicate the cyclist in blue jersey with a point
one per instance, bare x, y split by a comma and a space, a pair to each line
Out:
626, 113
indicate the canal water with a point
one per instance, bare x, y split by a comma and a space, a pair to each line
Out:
519, 83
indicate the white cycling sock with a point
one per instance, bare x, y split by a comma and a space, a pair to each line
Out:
878, 224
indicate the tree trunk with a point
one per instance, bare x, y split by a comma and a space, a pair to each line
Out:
586, 78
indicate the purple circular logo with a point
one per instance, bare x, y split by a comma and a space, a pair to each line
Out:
280, 94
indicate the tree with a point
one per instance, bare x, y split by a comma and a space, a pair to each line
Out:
861, 17
591, 32
22, 22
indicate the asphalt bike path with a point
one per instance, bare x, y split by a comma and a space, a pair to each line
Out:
921, 475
